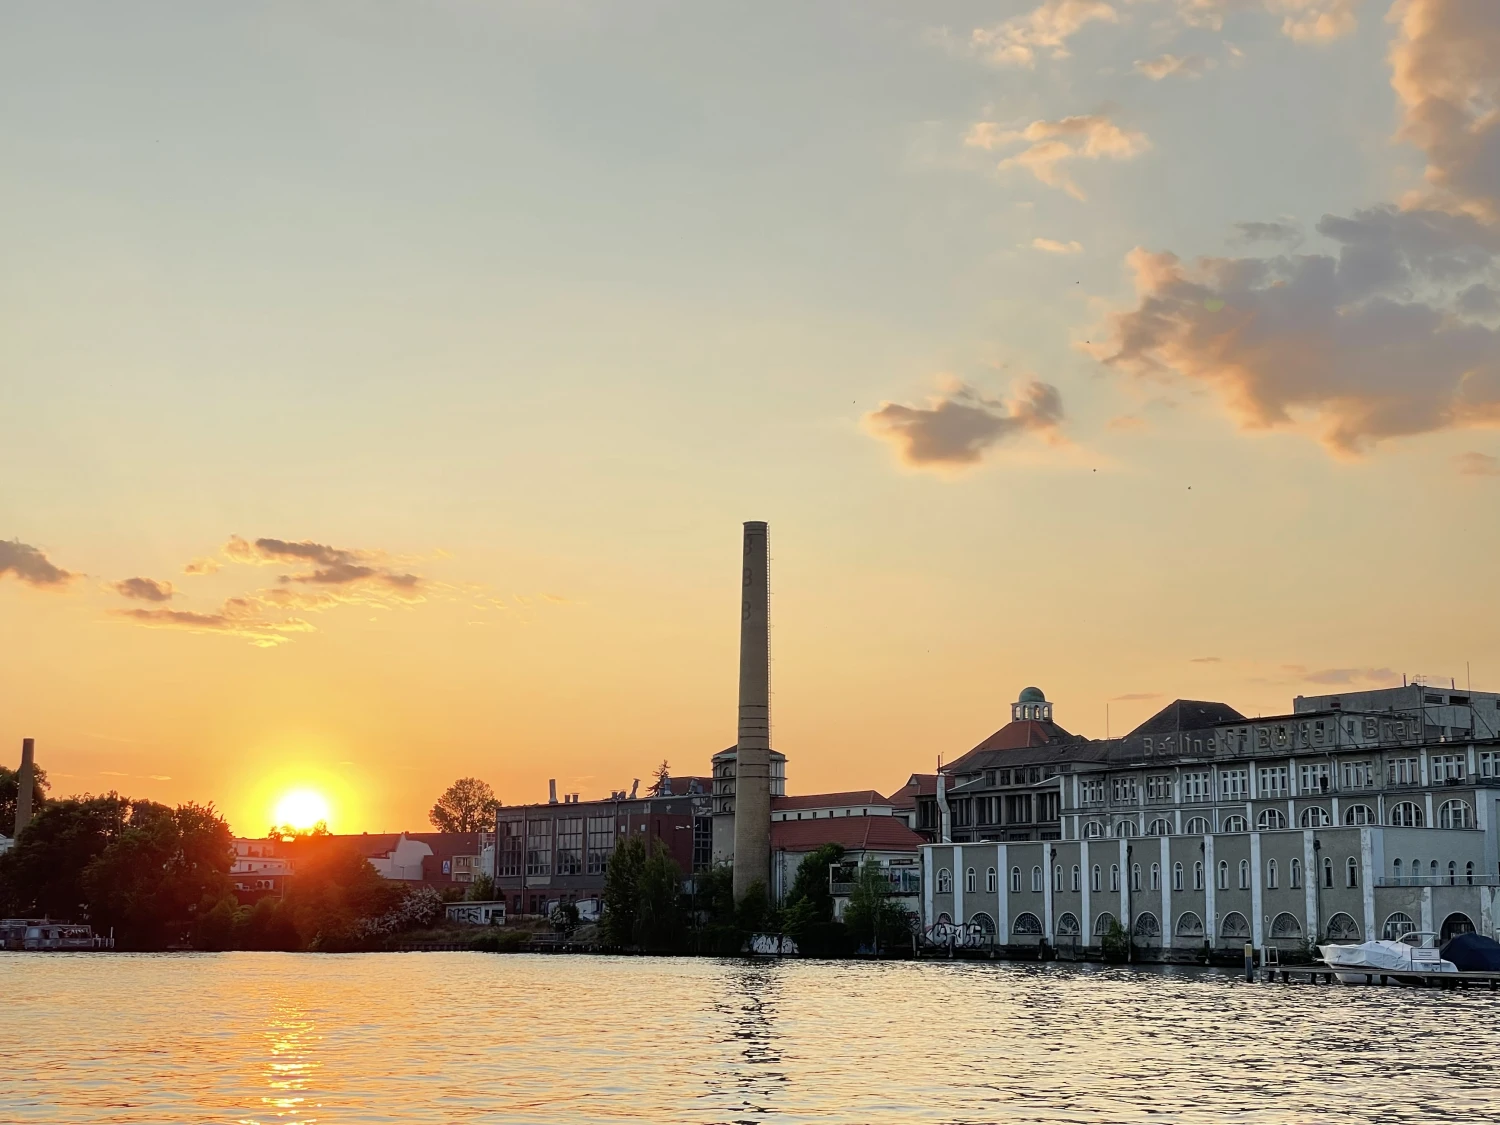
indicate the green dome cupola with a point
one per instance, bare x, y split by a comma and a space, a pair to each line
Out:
1031, 704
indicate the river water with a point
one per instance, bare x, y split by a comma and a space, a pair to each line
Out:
465, 1037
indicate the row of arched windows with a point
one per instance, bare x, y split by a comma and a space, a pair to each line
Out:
1233, 926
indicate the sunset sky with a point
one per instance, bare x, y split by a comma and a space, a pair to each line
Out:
383, 385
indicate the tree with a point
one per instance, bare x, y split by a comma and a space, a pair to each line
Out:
334, 889
808, 914
43, 873
875, 920
465, 806
286, 833
659, 905
622, 888
482, 889
662, 785
10, 788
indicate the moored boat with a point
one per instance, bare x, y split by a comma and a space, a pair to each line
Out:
1415, 952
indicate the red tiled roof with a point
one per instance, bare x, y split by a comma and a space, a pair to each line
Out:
883, 833
917, 785
828, 800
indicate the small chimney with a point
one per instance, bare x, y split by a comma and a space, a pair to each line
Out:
552, 791
25, 783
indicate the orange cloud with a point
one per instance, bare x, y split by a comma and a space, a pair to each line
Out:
1052, 246
239, 617
30, 565
957, 428
1477, 465
1052, 144
1045, 28
144, 589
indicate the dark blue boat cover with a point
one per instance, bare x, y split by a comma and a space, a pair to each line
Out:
1471, 953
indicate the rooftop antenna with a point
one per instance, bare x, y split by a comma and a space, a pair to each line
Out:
1106, 721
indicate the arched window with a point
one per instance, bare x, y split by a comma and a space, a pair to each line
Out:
1359, 814
1146, 925
1270, 874
1453, 925
1189, 925
1198, 826
1094, 878
1434, 872
985, 923
1114, 876
1198, 875
1456, 814
1015, 880
1343, 927
1177, 876
1398, 925
971, 881
944, 919
1294, 874
1028, 925
1125, 828
991, 881
1315, 816
1036, 880
1327, 871
1057, 877
1103, 923
1234, 925
1396, 870
1135, 876
1156, 876
945, 882
1093, 830
1161, 826
1286, 926
1067, 925
1407, 814
1469, 872
1351, 872
1076, 883
1270, 819
1235, 824
1244, 874
1223, 875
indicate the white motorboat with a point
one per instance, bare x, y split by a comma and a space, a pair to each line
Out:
1415, 952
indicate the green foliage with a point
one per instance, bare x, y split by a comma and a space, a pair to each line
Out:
43, 873
661, 783
754, 913
564, 918
1115, 944
622, 890
659, 915
502, 941
333, 890
10, 788
286, 833
467, 805
482, 889
808, 914
874, 919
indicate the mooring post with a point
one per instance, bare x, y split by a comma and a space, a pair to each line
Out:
1249, 961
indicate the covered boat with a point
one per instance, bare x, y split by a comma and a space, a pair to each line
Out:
1473, 953
1414, 953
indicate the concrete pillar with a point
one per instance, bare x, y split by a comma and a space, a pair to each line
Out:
25, 783
752, 783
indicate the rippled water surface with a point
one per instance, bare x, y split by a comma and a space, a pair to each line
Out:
461, 1037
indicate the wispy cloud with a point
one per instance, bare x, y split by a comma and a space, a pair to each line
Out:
1053, 246
1135, 697
1342, 677
238, 617
326, 566
956, 429
1206, 660
1046, 28
1050, 145
1174, 66
203, 565
144, 589
1277, 230
1474, 464
30, 565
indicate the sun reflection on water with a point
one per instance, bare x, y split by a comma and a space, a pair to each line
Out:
290, 1040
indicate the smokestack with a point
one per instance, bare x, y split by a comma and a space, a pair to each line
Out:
552, 791
752, 758
25, 783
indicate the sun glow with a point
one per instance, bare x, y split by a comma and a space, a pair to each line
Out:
301, 808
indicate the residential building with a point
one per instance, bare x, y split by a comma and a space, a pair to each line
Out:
865, 837
1355, 816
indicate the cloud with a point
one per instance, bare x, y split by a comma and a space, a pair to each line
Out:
1363, 346
1045, 28
1279, 230
327, 566
1477, 465
1445, 72
144, 589
1052, 246
1135, 697
1306, 21
957, 428
1206, 660
30, 565
239, 617
1051, 144
1342, 677
1179, 66
1125, 422
202, 566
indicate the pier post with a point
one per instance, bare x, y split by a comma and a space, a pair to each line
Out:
1249, 961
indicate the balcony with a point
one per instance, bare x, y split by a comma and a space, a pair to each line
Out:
899, 881
1460, 880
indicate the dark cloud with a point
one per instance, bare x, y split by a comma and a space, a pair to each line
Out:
1479, 300
957, 428
1281, 230
202, 566
30, 565
330, 566
1477, 465
144, 589
239, 617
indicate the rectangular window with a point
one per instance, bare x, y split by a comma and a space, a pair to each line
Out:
1273, 781
1234, 785
1125, 790
1489, 763
1195, 786
1159, 787
570, 845
1448, 767
1313, 777
1091, 791
510, 847
1357, 775
1403, 771
1002, 777
1048, 806
703, 843
539, 847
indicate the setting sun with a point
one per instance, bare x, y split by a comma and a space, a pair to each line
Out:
301, 808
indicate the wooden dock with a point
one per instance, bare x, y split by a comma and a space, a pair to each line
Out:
1319, 972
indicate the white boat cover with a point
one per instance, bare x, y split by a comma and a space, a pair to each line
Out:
1386, 956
